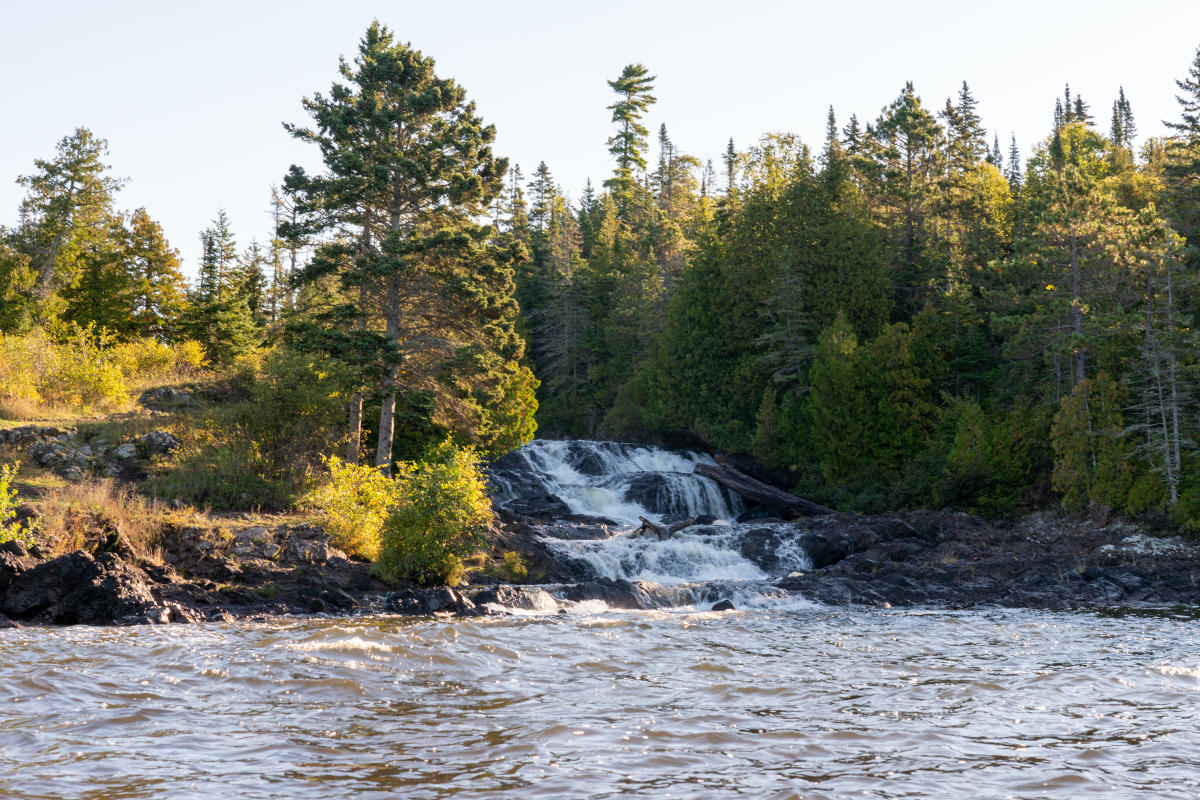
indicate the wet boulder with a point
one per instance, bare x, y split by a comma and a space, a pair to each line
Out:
670, 494
512, 477
828, 541
624, 594
424, 602
618, 593
331, 601
653, 491
586, 459
526, 598
774, 549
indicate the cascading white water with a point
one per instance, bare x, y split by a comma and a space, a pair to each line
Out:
621, 483
684, 558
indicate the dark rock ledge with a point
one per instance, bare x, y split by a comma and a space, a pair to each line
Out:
914, 559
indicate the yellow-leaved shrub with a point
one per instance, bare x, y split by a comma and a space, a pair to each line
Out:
441, 516
10, 528
353, 505
82, 368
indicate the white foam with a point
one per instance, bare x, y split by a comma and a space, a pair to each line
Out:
681, 559
606, 494
697, 555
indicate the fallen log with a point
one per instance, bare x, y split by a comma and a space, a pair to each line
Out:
664, 531
789, 505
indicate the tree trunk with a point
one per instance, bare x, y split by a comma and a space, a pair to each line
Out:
354, 435
789, 505
1079, 355
354, 442
47, 269
387, 413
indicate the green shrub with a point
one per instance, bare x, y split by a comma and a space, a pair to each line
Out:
226, 473
443, 510
511, 569
264, 448
297, 408
354, 504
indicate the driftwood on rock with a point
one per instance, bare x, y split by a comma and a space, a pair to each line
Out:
789, 505
664, 531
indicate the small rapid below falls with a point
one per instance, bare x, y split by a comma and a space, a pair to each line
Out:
587, 498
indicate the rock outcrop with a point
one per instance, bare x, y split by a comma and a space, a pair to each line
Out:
66, 453
81, 589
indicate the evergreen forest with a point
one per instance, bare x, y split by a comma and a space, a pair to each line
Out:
909, 313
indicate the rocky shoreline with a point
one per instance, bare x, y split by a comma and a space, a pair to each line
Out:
915, 559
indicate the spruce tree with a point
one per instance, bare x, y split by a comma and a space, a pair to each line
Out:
409, 170
996, 158
158, 286
833, 146
588, 217
731, 161
628, 144
1013, 171
218, 314
1181, 168
1128, 127
69, 201
1081, 113
249, 281
966, 138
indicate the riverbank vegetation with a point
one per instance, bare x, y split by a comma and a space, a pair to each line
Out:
906, 314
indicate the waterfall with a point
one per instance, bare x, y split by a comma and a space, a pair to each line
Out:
610, 485
618, 482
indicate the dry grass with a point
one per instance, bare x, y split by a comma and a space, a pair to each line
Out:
79, 515
20, 409
32, 481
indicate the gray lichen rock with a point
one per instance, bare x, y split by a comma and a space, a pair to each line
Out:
167, 397
125, 452
157, 443
59, 451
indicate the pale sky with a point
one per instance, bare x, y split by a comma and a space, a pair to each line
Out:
191, 96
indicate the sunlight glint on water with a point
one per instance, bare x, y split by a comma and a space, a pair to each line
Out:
818, 703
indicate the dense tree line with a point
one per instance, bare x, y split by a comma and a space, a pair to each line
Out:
907, 314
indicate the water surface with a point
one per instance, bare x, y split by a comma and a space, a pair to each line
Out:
776, 703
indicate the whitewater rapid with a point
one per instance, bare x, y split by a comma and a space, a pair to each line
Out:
614, 485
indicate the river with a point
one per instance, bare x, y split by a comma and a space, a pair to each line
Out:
781, 698
770, 703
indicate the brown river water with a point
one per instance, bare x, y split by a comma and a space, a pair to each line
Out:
770, 703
